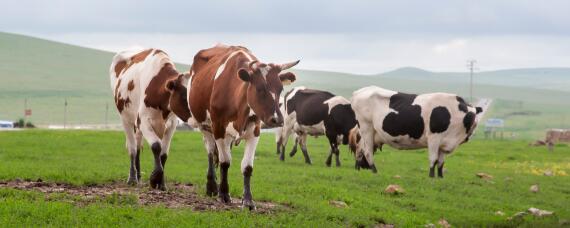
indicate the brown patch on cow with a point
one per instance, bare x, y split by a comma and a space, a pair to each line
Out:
119, 66
120, 102
131, 85
178, 196
141, 56
157, 96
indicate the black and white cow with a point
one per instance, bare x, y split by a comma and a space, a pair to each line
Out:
314, 112
438, 121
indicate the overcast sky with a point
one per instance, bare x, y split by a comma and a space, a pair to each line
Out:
350, 36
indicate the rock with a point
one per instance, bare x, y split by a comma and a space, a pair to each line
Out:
564, 222
518, 215
394, 189
430, 225
338, 204
397, 177
484, 176
534, 188
500, 213
539, 213
443, 223
548, 173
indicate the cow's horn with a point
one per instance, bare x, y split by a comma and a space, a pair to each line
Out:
286, 66
252, 64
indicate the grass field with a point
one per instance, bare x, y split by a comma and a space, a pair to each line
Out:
461, 198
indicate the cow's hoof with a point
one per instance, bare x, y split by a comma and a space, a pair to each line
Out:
248, 203
308, 162
328, 164
161, 187
211, 189
132, 181
338, 164
156, 179
225, 198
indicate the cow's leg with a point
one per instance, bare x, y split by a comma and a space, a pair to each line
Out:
295, 145
303, 141
329, 158
139, 140
247, 167
224, 154
149, 131
283, 139
433, 151
441, 162
168, 133
337, 153
132, 149
365, 158
210, 144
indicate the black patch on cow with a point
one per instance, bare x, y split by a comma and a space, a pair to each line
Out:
462, 104
339, 122
408, 120
439, 119
479, 110
309, 106
468, 121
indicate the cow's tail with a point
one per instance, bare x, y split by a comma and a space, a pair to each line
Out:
353, 140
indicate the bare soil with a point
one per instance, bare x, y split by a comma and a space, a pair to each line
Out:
177, 196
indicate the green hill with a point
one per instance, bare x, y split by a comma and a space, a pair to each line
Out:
46, 73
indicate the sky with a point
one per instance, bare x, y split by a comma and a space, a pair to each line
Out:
358, 36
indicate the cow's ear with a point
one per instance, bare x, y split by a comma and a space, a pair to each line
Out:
287, 78
171, 84
479, 110
244, 75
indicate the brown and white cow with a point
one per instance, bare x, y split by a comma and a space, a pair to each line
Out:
230, 93
149, 94
438, 121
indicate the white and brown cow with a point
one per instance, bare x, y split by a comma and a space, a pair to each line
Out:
438, 121
230, 93
149, 95
315, 112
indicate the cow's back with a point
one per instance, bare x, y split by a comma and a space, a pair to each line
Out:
209, 64
131, 73
309, 106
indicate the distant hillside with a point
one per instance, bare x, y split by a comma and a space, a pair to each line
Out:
536, 78
47, 73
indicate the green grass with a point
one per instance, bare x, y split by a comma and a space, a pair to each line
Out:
87, 157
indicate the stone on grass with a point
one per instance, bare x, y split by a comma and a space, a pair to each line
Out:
534, 188
397, 177
548, 173
484, 176
500, 213
539, 213
338, 204
443, 223
394, 189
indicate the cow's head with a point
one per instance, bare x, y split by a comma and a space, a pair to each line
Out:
472, 116
178, 101
265, 84
355, 144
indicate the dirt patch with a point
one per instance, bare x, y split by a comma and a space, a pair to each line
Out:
178, 195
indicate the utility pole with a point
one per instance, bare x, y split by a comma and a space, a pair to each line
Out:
25, 112
471, 66
65, 114
106, 115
